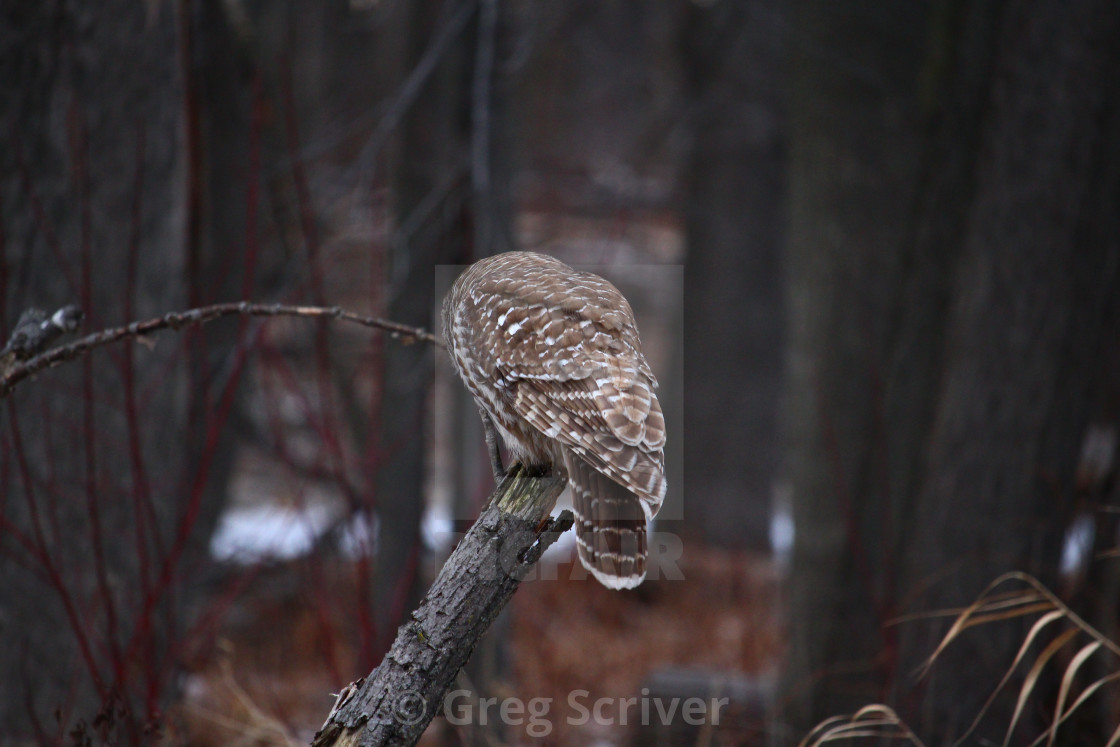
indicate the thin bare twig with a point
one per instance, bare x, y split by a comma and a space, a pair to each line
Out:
18, 371
480, 125
410, 90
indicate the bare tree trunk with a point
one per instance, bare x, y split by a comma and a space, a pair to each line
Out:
1033, 305
953, 280
854, 160
733, 291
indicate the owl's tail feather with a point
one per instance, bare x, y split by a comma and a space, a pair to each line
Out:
610, 526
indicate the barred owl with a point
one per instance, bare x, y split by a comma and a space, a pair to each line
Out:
552, 356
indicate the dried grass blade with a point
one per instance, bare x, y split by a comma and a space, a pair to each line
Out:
989, 602
955, 630
1088, 692
876, 720
1010, 614
1067, 683
1032, 678
878, 709
1037, 628
818, 729
1015, 604
855, 731
1076, 619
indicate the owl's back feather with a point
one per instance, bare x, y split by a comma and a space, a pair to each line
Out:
553, 355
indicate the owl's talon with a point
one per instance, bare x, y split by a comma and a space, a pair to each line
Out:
492, 446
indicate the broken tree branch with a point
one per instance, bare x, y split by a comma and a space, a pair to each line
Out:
394, 704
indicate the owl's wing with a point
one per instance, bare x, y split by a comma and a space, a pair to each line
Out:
573, 414
566, 351
595, 394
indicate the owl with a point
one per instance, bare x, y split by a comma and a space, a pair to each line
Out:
553, 359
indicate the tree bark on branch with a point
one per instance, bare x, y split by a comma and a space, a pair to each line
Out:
394, 704
23, 356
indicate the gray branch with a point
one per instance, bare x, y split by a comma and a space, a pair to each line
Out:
394, 704
22, 358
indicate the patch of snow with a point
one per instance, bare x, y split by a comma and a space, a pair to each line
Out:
782, 528
268, 532
1078, 546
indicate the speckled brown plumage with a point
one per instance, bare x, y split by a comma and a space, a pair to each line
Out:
553, 356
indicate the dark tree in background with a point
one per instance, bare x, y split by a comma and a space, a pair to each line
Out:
953, 285
431, 209
733, 177
450, 205
112, 469
853, 127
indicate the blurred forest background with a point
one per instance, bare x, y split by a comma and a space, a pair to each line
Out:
899, 224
